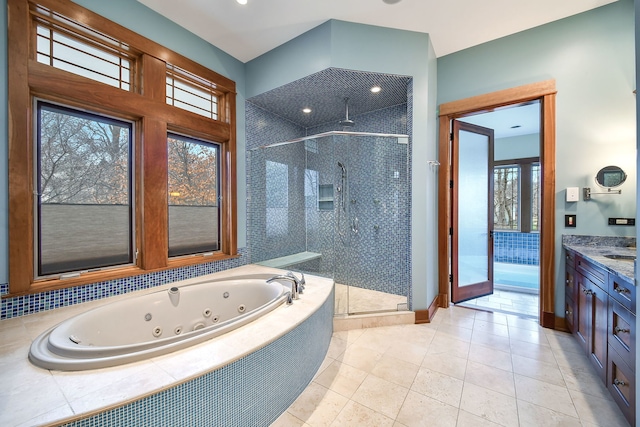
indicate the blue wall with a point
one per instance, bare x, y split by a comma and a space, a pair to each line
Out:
591, 57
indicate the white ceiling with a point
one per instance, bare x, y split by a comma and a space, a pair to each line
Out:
248, 31
510, 121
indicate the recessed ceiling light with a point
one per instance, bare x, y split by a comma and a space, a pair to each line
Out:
306, 110
376, 89
391, 1
242, 1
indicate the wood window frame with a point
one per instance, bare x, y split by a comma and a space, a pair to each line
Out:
146, 106
525, 167
545, 91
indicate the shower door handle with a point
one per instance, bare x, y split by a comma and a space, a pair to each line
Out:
354, 225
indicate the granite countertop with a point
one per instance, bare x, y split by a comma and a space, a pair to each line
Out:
594, 249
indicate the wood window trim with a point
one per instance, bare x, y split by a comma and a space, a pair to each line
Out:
526, 185
545, 91
153, 117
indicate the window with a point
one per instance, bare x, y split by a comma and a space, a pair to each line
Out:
193, 196
84, 190
107, 178
516, 191
506, 202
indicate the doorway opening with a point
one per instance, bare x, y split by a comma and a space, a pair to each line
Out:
450, 208
513, 210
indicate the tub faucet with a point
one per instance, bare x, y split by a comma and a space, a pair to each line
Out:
297, 285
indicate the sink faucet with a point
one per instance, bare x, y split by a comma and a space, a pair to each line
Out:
297, 285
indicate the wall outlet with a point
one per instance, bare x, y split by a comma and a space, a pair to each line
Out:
573, 194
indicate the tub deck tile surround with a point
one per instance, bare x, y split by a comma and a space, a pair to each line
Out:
32, 396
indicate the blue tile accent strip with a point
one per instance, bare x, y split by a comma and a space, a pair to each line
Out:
252, 391
4, 289
34, 303
516, 248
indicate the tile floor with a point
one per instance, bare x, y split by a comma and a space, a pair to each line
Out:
466, 368
507, 301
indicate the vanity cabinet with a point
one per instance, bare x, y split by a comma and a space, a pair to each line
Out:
591, 312
600, 312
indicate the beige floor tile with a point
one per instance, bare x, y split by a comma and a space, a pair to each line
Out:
446, 364
564, 342
373, 340
527, 335
492, 378
355, 414
461, 322
317, 405
491, 357
419, 410
531, 415
467, 419
491, 328
341, 378
490, 405
547, 372
601, 412
486, 339
288, 420
381, 396
533, 351
396, 371
545, 394
454, 331
522, 323
438, 386
360, 357
408, 352
570, 359
450, 346
337, 347
349, 336
585, 381
488, 316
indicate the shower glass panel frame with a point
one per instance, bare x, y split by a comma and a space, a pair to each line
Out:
346, 214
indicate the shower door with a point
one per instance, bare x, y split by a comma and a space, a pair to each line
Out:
372, 223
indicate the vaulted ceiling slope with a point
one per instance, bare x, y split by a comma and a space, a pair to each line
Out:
247, 31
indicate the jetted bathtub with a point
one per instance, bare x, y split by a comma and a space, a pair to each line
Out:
149, 325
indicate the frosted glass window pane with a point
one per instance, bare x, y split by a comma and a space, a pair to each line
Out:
472, 210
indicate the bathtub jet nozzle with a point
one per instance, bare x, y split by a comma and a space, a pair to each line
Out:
174, 295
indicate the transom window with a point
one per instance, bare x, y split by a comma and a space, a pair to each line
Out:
191, 93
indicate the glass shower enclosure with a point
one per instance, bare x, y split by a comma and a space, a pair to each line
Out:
337, 205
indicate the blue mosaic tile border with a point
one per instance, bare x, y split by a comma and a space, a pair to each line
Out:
252, 391
4, 289
49, 300
516, 248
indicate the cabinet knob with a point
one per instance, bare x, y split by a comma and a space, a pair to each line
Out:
618, 329
622, 290
587, 292
619, 382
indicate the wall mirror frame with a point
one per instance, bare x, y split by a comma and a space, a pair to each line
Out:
608, 177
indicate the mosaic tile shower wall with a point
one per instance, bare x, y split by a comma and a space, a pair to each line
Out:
34, 303
252, 391
516, 248
306, 176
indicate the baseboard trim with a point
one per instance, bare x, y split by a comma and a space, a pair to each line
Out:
425, 316
548, 320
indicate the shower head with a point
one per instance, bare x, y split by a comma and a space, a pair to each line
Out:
346, 122
344, 169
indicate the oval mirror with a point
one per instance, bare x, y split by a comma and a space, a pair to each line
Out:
610, 176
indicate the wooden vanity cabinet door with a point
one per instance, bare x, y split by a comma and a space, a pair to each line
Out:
599, 330
621, 382
582, 312
622, 332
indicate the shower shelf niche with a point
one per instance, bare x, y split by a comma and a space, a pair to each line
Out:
325, 197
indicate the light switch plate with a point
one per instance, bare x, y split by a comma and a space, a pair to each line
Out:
573, 194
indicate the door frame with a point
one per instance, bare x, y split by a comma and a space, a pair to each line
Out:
545, 92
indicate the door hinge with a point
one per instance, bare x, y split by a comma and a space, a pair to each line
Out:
451, 136
450, 231
135, 256
451, 278
451, 184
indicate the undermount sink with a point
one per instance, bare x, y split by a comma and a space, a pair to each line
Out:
620, 257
